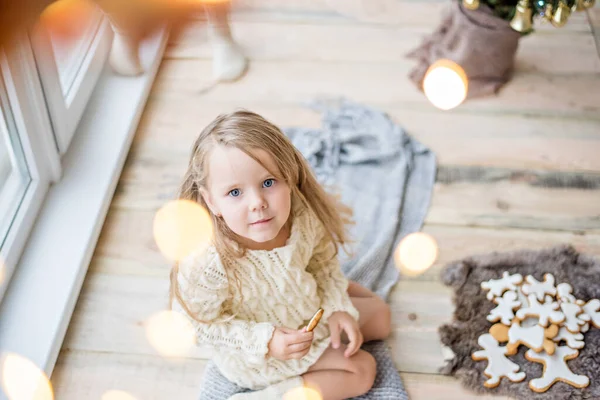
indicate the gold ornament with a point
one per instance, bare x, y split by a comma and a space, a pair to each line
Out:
588, 3
578, 6
561, 14
471, 4
548, 12
522, 21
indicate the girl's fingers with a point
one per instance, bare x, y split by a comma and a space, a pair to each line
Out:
353, 337
295, 336
294, 348
301, 337
286, 330
298, 355
361, 340
334, 329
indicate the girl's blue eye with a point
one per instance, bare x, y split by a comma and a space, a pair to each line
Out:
269, 183
234, 193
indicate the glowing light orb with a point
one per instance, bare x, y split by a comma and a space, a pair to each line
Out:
415, 253
117, 395
170, 333
23, 380
302, 393
445, 84
180, 227
68, 19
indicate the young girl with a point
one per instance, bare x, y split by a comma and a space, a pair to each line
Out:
271, 266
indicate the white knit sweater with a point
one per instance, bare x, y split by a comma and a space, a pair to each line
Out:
282, 287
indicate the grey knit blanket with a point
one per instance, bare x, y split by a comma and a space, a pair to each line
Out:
386, 177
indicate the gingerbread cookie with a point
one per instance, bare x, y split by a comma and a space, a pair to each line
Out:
575, 318
546, 312
564, 293
592, 309
573, 340
585, 327
498, 365
539, 289
497, 287
556, 369
504, 311
535, 337
522, 297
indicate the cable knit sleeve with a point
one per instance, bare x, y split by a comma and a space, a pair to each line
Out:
332, 285
204, 289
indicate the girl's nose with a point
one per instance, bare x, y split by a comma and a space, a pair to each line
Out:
258, 203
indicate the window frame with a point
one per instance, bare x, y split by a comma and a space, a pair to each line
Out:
59, 248
28, 112
67, 109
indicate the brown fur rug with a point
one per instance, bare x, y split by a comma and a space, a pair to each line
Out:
472, 307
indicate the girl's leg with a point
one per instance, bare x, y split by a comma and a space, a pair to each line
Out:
375, 314
338, 377
229, 63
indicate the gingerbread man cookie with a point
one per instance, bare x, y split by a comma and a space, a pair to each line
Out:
497, 287
575, 318
535, 337
556, 369
504, 312
585, 327
522, 297
498, 365
573, 340
539, 289
546, 312
592, 309
564, 293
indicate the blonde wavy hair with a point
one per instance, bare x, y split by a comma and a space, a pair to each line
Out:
246, 131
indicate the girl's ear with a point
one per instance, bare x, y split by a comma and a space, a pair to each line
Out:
207, 199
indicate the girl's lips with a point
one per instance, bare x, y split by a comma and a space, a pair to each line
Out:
262, 221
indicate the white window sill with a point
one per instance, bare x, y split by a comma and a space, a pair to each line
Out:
41, 296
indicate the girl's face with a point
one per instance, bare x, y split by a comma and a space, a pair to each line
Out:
254, 204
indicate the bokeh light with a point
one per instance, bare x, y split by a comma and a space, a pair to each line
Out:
184, 3
302, 393
196, 2
415, 253
170, 333
23, 380
445, 84
180, 227
68, 19
117, 395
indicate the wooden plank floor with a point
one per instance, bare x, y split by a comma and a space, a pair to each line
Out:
521, 170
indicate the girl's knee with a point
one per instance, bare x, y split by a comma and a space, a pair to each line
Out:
366, 370
381, 321
385, 320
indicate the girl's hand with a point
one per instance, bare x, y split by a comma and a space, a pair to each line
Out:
288, 344
341, 320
